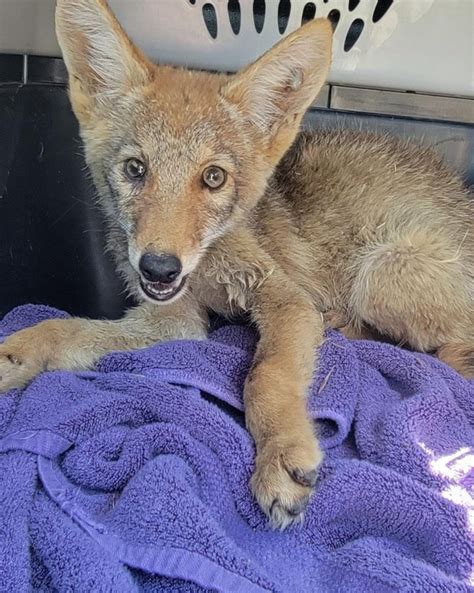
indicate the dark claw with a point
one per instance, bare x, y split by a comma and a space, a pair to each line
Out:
305, 478
298, 508
294, 511
273, 506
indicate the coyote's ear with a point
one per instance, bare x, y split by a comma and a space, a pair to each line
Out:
101, 60
275, 91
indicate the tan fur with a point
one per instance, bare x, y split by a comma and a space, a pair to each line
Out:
374, 233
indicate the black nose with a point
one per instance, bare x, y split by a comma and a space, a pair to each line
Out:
162, 268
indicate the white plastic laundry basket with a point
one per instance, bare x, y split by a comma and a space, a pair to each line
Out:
409, 45
419, 45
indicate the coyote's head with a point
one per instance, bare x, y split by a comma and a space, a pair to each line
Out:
179, 157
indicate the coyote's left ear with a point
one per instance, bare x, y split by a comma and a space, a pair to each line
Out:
274, 92
102, 62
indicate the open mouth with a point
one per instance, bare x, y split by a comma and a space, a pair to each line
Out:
159, 291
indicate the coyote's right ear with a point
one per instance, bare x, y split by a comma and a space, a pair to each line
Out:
101, 60
274, 92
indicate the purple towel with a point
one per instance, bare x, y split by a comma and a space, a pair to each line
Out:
134, 477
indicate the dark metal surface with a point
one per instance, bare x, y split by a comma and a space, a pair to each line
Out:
11, 69
51, 236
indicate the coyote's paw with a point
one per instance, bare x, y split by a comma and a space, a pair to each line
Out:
284, 477
26, 353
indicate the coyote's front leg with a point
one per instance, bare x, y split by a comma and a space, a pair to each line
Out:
76, 344
288, 454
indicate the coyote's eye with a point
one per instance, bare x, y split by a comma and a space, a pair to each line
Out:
134, 169
214, 177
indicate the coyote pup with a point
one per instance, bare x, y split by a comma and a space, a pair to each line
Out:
215, 202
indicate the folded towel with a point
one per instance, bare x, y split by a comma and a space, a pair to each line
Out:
134, 477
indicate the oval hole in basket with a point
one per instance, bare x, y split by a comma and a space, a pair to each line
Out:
353, 34
309, 12
192, 1
334, 16
353, 4
210, 18
284, 9
233, 8
259, 14
380, 9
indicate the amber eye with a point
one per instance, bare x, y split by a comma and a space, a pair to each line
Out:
214, 177
135, 169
